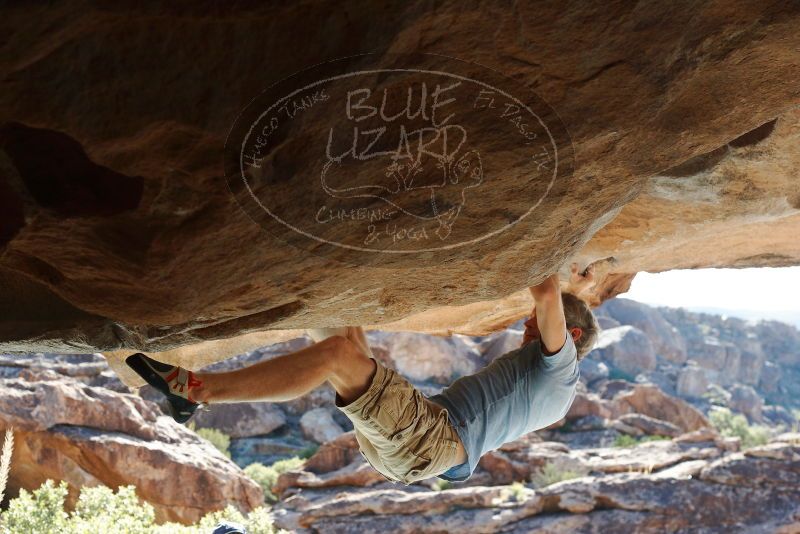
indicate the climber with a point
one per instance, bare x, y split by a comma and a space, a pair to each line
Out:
403, 434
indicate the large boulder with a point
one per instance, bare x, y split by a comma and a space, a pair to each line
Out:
627, 348
722, 359
241, 419
334, 454
746, 400
318, 425
66, 430
500, 343
649, 400
650, 425
593, 370
589, 404
692, 381
770, 377
421, 357
666, 339
780, 341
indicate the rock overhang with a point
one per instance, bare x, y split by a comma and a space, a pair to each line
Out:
685, 136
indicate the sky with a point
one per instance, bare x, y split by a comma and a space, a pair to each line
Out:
762, 293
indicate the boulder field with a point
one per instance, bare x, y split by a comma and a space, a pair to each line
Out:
118, 230
689, 483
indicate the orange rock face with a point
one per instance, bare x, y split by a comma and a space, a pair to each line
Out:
89, 436
118, 229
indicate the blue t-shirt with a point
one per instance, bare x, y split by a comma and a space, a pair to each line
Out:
517, 393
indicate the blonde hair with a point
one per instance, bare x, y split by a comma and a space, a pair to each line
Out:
578, 314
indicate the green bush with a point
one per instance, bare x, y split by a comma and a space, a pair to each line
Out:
217, 438
256, 522
441, 484
41, 511
552, 473
99, 509
517, 491
624, 440
308, 452
737, 426
267, 476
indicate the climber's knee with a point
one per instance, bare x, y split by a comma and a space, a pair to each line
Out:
351, 369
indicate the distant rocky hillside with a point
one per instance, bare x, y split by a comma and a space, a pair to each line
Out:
753, 368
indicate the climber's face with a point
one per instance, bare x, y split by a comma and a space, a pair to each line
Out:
531, 329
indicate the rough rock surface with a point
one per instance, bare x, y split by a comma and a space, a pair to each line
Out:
665, 338
627, 348
318, 425
692, 381
118, 230
650, 400
642, 399
650, 425
422, 357
592, 370
654, 486
744, 399
241, 419
66, 430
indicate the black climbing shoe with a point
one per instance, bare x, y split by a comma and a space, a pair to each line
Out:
174, 382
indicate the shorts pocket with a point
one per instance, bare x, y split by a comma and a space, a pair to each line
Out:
436, 459
404, 407
416, 469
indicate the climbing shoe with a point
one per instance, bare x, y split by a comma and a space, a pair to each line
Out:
176, 383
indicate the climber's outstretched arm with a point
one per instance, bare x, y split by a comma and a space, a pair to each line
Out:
548, 315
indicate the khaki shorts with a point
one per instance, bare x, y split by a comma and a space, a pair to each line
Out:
402, 434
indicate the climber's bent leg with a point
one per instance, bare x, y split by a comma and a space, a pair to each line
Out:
353, 333
335, 359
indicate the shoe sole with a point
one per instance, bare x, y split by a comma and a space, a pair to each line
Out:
180, 409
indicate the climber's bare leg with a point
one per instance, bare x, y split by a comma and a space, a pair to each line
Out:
336, 360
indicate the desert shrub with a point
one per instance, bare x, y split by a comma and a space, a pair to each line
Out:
736, 425
624, 440
441, 484
517, 491
308, 452
217, 438
256, 522
40, 511
99, 509
552, 473
267, 476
